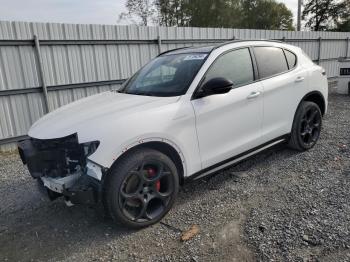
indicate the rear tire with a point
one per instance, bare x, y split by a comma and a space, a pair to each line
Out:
307, 126
141, 188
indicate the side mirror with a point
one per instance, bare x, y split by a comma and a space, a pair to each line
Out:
214, 86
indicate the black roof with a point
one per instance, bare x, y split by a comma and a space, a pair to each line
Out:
207, 49
186, 50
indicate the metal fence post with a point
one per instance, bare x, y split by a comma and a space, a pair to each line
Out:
347, 48
41, 73
159, 41
319, 50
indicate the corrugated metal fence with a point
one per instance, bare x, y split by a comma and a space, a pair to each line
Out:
44, 65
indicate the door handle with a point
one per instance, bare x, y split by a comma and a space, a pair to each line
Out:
299, 79
254, 95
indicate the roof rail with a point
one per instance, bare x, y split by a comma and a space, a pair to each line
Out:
175, 49
240, 40
228, 42
225, 43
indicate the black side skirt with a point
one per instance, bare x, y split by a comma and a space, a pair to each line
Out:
221, 165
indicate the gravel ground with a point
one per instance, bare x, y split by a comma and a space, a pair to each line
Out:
278, 206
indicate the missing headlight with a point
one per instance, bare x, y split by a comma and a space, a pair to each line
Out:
55, 157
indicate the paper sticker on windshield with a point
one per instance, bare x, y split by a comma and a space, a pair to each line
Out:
195, 57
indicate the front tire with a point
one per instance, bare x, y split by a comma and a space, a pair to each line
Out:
141, 188
307, 126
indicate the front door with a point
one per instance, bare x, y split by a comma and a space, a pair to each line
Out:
230, 124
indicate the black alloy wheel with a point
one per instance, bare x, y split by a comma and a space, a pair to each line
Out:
307, 126
310, 126
141, 188
146, 191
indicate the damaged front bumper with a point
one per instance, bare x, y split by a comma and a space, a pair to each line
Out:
62, 167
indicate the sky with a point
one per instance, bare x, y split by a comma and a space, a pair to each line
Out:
73, 11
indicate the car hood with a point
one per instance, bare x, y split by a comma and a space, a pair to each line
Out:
85, 115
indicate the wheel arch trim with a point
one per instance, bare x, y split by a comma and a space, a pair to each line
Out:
315, 92
145, 141
318, 93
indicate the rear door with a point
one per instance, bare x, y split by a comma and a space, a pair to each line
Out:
283, 82
229, 124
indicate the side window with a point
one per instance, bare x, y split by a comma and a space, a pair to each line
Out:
271, 61
236, 66
291, 59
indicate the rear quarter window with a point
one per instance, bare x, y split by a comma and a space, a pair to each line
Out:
271, 61
291, 59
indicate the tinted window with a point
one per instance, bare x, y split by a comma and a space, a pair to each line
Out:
271, 61
291, 59
235, 66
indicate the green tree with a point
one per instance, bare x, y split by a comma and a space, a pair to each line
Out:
323, 15
213, 13
343, 24
266, 14
257, 14
172, 12
140, 12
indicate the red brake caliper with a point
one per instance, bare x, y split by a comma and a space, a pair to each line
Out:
152, 173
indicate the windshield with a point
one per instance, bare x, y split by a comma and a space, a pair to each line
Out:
169, 75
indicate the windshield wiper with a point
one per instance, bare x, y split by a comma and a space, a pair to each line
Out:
142, 93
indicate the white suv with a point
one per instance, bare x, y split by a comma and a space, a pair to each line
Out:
186, 114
